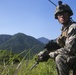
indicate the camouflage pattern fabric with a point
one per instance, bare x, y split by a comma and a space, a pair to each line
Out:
65, 57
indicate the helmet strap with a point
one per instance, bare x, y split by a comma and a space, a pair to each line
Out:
72, 19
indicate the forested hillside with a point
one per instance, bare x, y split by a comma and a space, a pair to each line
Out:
20, 42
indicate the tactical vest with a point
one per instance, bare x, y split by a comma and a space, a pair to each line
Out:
64, 34
63, 37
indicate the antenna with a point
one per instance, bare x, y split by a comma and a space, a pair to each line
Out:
53, 3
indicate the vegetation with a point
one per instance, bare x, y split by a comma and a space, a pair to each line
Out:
22, 67
19, 42
18, 53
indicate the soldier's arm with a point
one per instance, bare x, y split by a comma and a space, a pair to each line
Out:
70, 43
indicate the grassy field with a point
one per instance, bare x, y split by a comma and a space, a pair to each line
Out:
9, 67
23, 67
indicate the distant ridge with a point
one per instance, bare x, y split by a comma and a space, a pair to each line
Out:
20, 42
4, 38
43, 40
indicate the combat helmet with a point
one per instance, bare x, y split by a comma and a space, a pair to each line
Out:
62, 8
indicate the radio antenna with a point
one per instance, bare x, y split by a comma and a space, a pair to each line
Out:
53, 3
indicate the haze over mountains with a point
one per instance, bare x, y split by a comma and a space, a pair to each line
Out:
43, 40
20, 42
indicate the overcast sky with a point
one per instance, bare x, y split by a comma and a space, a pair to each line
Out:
31, 17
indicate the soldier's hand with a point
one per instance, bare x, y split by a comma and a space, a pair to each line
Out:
43, 56
53, 54
40, 55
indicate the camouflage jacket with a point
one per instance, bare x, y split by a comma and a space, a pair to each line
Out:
70, 39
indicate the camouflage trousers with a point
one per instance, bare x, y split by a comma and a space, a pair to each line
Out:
65, 63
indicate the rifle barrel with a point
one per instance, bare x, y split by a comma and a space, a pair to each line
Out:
34, 65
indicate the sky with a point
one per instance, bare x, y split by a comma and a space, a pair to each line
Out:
31, 17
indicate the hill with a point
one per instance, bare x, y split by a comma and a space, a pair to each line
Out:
4, 38
43, 40
20, 42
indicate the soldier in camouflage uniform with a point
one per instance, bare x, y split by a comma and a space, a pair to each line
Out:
65, 57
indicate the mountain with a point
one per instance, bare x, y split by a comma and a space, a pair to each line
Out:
20, 42
43, 40
4, 38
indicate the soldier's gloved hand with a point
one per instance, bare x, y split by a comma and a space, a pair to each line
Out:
43, 56
40, 56
53, 54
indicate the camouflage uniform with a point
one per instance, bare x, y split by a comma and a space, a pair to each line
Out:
65, 57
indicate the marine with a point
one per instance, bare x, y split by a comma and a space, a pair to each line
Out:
65, 56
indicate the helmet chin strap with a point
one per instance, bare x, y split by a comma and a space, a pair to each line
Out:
72, 19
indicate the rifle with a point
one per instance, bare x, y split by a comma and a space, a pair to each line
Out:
37, 62
41, 58
50, 46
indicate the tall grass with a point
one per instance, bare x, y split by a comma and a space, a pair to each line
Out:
23, 67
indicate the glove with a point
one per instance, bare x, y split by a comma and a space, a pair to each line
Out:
53, 54
43, 56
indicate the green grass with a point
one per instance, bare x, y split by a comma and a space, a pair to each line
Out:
23, 67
